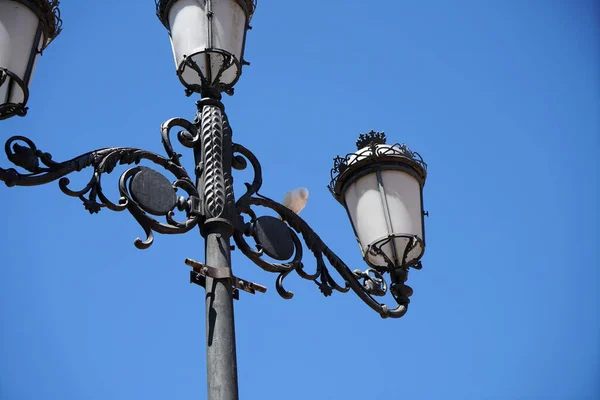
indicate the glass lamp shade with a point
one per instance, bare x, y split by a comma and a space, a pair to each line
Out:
26, 28
381, 187
208, 38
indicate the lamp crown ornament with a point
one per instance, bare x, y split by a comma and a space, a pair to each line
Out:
52, 19
369, 139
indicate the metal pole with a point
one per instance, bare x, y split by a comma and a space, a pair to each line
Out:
221, 360
213, 160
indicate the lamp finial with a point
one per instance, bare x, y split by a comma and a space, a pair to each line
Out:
371, 138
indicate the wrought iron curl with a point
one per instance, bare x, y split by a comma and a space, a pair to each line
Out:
149, 224
9, 109
188, 137
283, 269
43, 169
53, 20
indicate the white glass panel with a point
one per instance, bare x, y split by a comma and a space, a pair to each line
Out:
189, 28
4, 52
189, 35
228, 76
189, 75
229, 26
18, 26
364, 202
403, 194
366, 211
414, 253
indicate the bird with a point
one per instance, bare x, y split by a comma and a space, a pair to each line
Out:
296, 199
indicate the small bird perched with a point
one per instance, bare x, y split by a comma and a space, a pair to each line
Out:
296, 199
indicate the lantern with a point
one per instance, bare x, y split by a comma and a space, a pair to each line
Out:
208, 39
26, 28
381, 187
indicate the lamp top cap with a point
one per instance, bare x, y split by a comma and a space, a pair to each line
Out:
373, 153
370, 138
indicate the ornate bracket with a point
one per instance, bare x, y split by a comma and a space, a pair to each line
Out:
200, 272
274, 239
144, 192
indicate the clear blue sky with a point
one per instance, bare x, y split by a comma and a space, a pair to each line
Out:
502, 99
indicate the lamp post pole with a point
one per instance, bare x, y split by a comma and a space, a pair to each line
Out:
213, 175
221, 361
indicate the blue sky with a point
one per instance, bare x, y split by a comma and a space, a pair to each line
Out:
501, 98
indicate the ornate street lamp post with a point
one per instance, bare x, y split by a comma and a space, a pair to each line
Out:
380, 186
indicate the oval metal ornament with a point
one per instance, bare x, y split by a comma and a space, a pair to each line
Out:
274, 237
153, 192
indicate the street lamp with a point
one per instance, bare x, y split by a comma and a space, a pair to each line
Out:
380, 186
208, 39
26, 28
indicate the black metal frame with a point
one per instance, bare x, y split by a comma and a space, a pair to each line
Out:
50, 25
248, 6
207, 200
8, 109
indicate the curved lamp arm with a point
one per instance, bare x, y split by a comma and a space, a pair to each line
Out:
42, 169
145, 193
373, 283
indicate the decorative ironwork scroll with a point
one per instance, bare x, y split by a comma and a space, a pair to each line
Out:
146, 193
42, 169
373, 283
